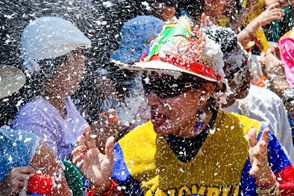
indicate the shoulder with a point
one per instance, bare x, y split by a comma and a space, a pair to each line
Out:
17, 149
262, 94
36, 106
136, 151
244, 122
141, 136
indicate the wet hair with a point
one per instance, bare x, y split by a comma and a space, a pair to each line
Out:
223, 36
35, 84
194, 8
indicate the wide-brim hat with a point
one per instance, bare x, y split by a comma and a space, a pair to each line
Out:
50, 37
180, 49
11, 80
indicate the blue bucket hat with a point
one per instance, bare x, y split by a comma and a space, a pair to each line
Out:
134, 34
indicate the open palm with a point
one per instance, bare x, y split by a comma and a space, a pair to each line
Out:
94, 165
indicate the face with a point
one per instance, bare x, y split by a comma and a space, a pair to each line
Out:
239, 77
217, 8
173, 109
70, 73
165, 12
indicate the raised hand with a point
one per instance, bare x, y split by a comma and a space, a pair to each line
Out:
94, 165
16, 180
273, 12
205, 21
260, 168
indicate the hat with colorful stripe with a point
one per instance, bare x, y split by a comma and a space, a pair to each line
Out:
181, 49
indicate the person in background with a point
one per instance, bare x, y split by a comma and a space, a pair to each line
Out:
246, 99
277, 66
23, 154
123, 89
51, 48
224, 13
162, 9
189, 146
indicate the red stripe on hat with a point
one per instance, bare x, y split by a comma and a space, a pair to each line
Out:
196, 67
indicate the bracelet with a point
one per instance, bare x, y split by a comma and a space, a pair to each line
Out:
272, 190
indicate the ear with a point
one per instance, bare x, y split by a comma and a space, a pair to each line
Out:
205, 92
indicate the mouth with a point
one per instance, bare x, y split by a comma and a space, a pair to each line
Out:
158, 119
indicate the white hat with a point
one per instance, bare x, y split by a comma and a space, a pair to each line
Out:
11, 80
50, 37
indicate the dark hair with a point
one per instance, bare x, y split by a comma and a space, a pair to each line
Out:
223, 36
35, 84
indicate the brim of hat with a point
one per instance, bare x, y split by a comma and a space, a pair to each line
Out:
159, 66
11, 80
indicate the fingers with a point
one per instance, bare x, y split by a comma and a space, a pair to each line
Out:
109, 148
263, 141
76, 160
81, 140
90, 142
252, 137
79, 150
28, 170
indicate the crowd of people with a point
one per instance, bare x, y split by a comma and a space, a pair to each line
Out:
181, 97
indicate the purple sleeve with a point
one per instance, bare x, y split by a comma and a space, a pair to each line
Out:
39, 122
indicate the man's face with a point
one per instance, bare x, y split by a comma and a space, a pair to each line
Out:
239, 77
172, 113
216, 9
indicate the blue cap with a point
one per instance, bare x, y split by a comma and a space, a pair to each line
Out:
134, 34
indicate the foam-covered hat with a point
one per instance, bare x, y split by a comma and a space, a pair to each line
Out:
178, 48
11, 80
50, 37
134, 34
286, 47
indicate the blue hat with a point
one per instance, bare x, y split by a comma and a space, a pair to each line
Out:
134, 34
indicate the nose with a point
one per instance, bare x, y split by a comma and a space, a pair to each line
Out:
152, 99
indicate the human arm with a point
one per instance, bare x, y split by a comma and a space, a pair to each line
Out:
260, 168
242, 16
94, 165
45, 161
283, 3
273, 69
35, 118
278, 162
273, 12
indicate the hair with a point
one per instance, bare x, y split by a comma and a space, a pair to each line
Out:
35, 84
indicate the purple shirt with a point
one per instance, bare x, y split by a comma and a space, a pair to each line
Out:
44, 120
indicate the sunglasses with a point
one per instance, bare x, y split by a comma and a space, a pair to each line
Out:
167, 86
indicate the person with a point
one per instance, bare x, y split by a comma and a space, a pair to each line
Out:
246, 99
165, 10
24, 154
279, 73
189, 146
222, 12
52, 51
135, 35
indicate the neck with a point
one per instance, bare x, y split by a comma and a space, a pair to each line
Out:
208, 121
57, 101
230, 101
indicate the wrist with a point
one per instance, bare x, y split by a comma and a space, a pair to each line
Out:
108, 190
102, 186
266, 180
